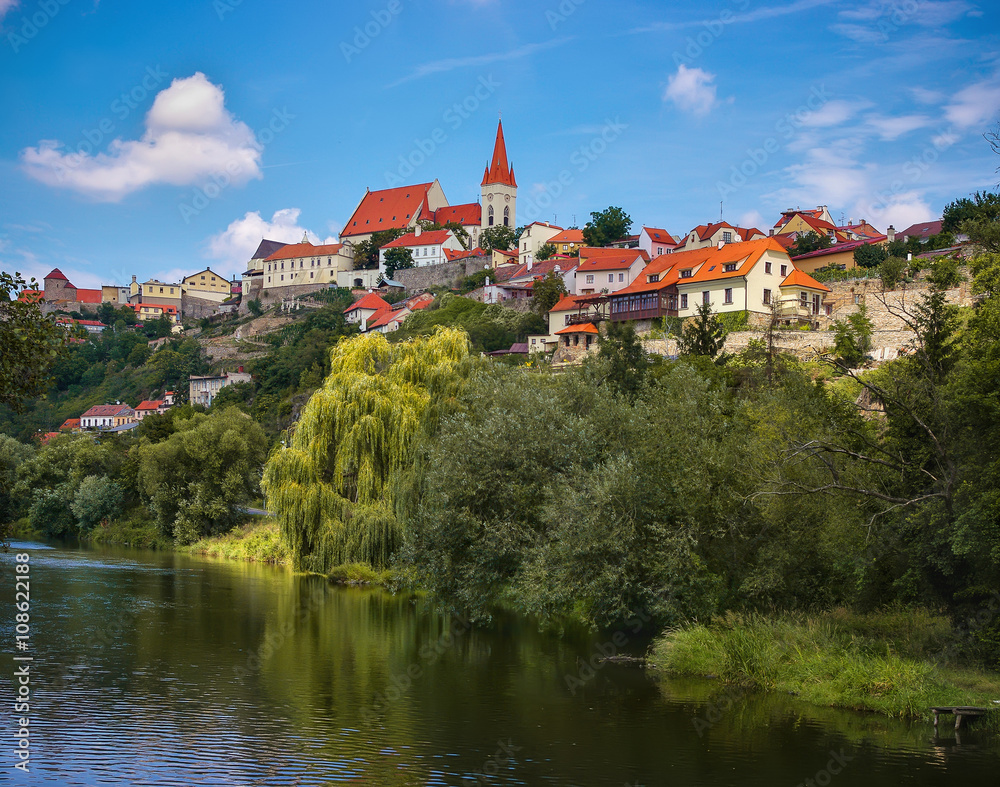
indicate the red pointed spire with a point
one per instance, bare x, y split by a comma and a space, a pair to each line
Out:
499, 170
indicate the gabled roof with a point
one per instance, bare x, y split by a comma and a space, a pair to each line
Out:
470, 214
149, 404
923, 229
385, 317
586, 327
799, 278
706, 231
294, 250
70, 423
598, 259
568, 236
787, 216
425, 238
840, 248
369, 301
387, 209
267, 248
106, 410
498, 170
819, 226
711, 261
658, 235
664, 267
57, 274
542, 268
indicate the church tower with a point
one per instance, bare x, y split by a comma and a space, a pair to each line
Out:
499, 188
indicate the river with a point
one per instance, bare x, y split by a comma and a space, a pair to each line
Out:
165, 669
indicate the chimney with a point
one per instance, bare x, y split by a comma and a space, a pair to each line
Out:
770, 232
417, 230
133, 277
850, 222
891, 233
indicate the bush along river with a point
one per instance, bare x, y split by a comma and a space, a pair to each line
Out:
169, 669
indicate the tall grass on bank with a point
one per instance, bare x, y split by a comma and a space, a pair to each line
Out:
256, 542
133, 531
897, 662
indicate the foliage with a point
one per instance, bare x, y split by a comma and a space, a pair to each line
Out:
489, 327
460, 232
333, 487
31, 344
626, 359
257, 542
545, 251
839, 274
870, 255
12, 455
982, 205
97, 498
607, 226
809, 242
547, 291
498, 237
892, 272
853, 337
254, 307
474, 281
985, 270
704, 334
366, 252
397, 259
197, 480
735, 321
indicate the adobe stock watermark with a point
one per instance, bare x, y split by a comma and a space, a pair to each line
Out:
219, 181
503, 757
225, 7
894, 16
120, 108
587, 669
454, 116
556, 16
834, 767
32, 25
713, 29
785, 130
363, 36
581, 159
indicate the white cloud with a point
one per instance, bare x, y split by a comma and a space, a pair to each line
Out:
189, 137
234, 246
691, 90
903, 210
451, 63
925, 96
974, 105
879, 20
5, 6
833, 113
890, 128
757, 15
752, 218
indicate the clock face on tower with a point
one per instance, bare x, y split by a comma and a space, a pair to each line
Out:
507, 198
489, 197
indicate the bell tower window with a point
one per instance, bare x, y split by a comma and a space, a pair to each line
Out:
490, 214
506, 216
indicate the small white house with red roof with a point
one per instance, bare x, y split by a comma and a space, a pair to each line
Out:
428, 247
360, 312
106, 416
608, 270
656, 242
150, 407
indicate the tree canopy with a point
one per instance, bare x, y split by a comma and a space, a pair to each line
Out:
498, 237
809, 242
31, 344
607, 226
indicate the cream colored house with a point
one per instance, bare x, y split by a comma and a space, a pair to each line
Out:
203, 389
607, 270
567, 241
303, 263
534, 236
156, 291
707, 235
207, 285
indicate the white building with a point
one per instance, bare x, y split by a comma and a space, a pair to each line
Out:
427, 247
202, 390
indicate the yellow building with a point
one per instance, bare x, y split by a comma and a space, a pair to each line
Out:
155, 291
207, 285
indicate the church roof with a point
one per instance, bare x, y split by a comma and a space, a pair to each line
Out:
499, 170
470, 215
387, 209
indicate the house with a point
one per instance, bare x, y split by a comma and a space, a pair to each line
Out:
156, 291
656, 241
501, 258
427, 247
744, 276
800, 223
922, 231
567, 241
607, 270
359, 312
106, 416
70, 425
297, 264
153, 311
253, 276
529, 272
839, 256
861, 230
821, 213
533, 237
60, 293
207, 285
150, 407
802, 297
654, 292
112, 293
90, 326
203, 389
708, 235
578, 335
387, 320
569, 310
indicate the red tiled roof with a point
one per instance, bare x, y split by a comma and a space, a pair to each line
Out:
70, 423
543, 267
923, 229
294, 250
387, 209
498, 170
567, 236
469, 215
164, 307
57, 274
594, 259
81, 322
31, 296
665, 267
839, 248
586, 327
384, 317
149, 404
710, 261
706, 231
369, 301
88, 296
425, 238
105, 410
799, 278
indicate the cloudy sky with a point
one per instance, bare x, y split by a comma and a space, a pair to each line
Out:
155, 139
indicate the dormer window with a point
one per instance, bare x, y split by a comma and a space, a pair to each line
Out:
687, 273
653, 277
729, 267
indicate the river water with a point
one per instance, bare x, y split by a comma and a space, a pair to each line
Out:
164, 669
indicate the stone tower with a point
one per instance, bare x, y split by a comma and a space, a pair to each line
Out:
499, 188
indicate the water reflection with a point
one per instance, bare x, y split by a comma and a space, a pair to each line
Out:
157, 669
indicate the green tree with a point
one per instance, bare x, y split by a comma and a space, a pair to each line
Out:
397, 259
12, 455
809, 242
31, 344
626, 359
853, 337
545, 251
254, 307
704, 334
366, 252
138, 355
982, 205
547, 291
607, 226
96, 499
498, 237
870, 255
198, 479
892, 272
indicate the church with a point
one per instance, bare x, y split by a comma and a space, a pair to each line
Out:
404, 206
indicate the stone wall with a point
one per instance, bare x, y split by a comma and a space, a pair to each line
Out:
197, 308
446, 274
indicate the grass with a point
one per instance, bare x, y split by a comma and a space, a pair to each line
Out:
894, 662
133, 532
257, 542
361, 574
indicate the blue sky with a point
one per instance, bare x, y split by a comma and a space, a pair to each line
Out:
155, 139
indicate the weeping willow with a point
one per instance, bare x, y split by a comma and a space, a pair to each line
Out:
334, 486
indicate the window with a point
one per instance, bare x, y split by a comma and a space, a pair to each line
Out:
653, 277
611, 278
784, 270
706, 297
590, 278
565, 247
767, 267
728, 295
767, 297
804, 300
161, 289
684, 301
506, 217
489, 213
727, 237
729, 267
621, 277
659, 250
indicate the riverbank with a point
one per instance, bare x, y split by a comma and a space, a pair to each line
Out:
897, 662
